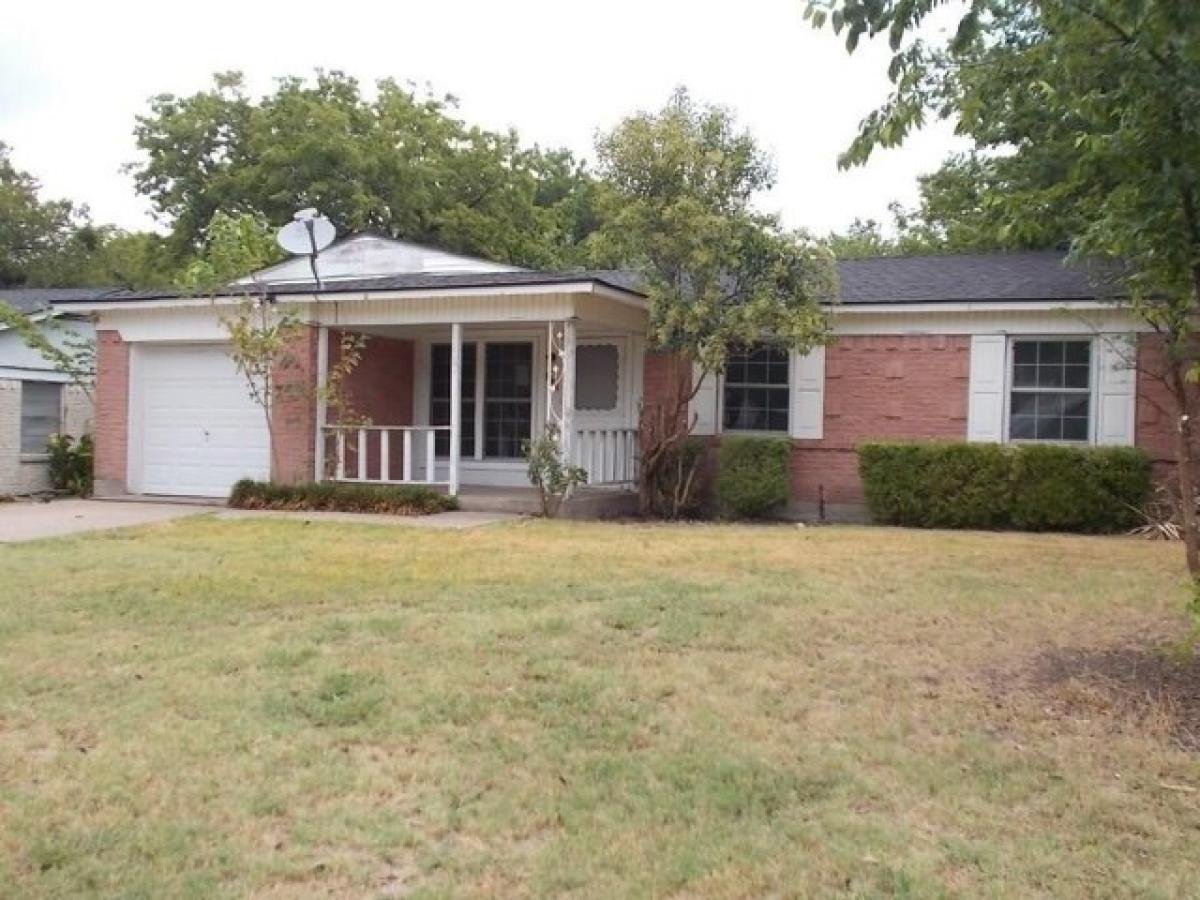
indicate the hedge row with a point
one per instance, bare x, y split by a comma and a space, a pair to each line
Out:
402, 500
753, 476
1028, 487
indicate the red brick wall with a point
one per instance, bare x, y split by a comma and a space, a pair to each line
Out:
876, 386
881, 386
1156, 413
112, 413
380, 390
662, 375
295, 420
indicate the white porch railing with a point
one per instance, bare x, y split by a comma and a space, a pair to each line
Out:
609, 455
383, 454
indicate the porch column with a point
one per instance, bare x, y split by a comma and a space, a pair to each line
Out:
568, 388
455, 404
322, 410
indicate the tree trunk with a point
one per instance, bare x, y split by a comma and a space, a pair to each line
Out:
1186, 466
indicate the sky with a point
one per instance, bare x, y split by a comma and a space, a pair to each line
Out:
73, 75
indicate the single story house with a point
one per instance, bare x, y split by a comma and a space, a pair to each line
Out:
37, 400
466, 358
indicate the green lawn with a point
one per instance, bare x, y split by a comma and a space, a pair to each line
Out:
216, 708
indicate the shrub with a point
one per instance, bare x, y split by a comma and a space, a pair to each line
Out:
753, 476
1030, 487
936, 485
70, 463
403, 500
673, 488
1058, 488
550, 473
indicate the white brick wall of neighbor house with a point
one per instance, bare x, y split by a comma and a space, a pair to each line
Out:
22, 471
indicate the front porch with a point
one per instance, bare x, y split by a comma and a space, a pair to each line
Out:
451, 405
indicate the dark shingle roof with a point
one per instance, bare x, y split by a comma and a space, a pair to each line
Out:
1038, 275
31, 300
406, 282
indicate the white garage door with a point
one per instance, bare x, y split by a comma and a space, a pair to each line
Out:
199, 430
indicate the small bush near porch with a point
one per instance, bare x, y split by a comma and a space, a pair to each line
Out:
266, 708
399, 500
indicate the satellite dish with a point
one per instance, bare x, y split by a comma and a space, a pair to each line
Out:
307, 236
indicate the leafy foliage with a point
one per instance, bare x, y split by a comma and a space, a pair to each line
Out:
401, 164
1028, 487
30, 229
74, 356
70, 463
234, 245
754, 476
550, 473
400, 500
718, 273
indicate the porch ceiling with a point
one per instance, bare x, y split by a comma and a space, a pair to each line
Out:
591, 306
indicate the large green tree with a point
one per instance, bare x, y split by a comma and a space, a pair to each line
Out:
1085, 115
678, 206
31, 229
398, 162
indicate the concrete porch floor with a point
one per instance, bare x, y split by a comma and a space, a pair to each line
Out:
585, 502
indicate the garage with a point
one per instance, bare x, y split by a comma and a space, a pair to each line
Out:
194, 430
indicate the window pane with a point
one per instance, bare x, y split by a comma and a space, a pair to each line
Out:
1049, 429
1050, 376
41, 414
1079, 352
508, 389
1077, 376
1050, 399
1022, 428
1075, 429
597, 376
1050, 352
439, 398
1076, 405
1024, 404
1025, 352
756, 390
1024, 376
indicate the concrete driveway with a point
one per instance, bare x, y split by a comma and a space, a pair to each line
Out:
24, 521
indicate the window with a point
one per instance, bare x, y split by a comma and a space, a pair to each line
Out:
507, 399
1051, 390
439, 398
597, 374
756, 389
41, 414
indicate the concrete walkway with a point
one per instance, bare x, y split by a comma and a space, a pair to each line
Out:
29, 521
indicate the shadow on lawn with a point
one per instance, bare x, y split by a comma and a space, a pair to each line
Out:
1139, 681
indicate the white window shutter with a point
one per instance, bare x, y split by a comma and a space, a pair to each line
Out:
704, 407
1116, 389
985, 407
808, 394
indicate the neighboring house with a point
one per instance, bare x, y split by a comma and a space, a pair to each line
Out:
36, 400
997, 347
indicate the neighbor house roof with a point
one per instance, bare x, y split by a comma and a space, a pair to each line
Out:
1034, 276
32, 300
1039, 275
